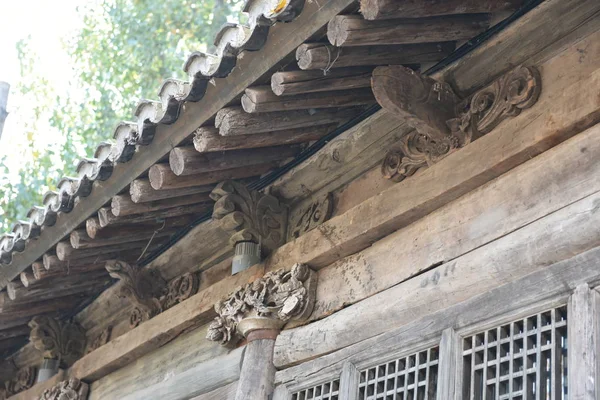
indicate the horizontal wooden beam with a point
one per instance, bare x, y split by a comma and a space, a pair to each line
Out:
559, 280
141, 191
300, 82
159, 330
571, 230
388, 9
354, 30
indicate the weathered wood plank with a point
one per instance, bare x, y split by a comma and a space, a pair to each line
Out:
525, 194
569, 231
222, 393
488, 309
584, 343
300, 82
354, 30
567, 105
160, 365
387, 9
449, 364
507, 49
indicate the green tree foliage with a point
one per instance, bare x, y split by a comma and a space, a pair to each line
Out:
123, 51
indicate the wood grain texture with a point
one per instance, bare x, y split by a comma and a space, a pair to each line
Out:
222, 393
559, 236
388, 9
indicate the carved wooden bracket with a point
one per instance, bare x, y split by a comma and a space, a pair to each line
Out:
24, 379
308, 218
267, 303
442, 122
73, 389
148, 291
63, 341
250, 215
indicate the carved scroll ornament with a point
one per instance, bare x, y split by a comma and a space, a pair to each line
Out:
149, 293
475, 116
267, 303
249, 215
100, 340
24, 380
506, 97
64, 341
73, 389
317, 212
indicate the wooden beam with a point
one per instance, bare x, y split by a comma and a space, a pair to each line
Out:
187, 161
489, 308
233, 121
388, 9
59, 287
301, 82
207, 140
162, 177
141, 191
354, 30
161, 329
260, 99
507, 49
326, 57
571, 230
107, 218
223, 393
509, 145
122, 205
122, 232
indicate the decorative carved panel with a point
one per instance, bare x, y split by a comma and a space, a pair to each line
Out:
148, 291
73, 389
308, 218
24, 379
100, 340
250, 215
504, 98
64, 341
270, 301
475, 116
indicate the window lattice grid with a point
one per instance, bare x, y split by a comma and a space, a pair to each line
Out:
325, 391
522, 360
408, 378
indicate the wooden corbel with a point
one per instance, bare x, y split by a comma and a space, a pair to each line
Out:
72, 389
57, 340
311, 215
24, 379
148, 291
442, 121
266, 304
249, 215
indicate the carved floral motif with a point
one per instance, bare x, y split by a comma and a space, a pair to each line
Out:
477, 115
150, 294
312, 216
100, 340
506, 97
279, 296
73, 389
249, 215
24, 379
64, 341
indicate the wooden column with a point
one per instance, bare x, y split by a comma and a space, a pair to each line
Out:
583, 343
257, 311
258, 372
449, 363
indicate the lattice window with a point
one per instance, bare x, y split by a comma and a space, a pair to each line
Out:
408, 378
523, 360
324, 391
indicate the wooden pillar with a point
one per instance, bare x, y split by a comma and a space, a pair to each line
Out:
257, 311
258, 371
583, 343
449, 363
